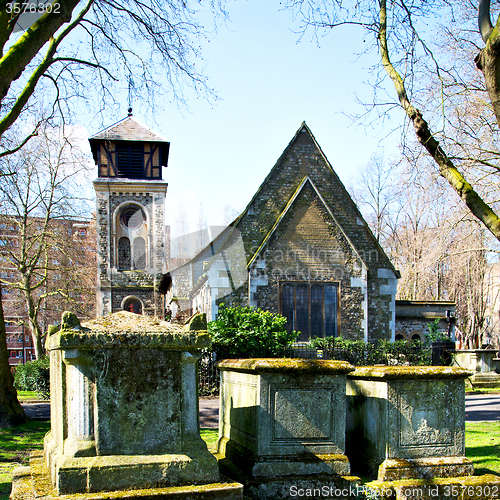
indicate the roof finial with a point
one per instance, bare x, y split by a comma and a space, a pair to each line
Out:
130, 111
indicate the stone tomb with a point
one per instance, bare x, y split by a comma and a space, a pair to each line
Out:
409, 422
124, 403
482, 362
282, 426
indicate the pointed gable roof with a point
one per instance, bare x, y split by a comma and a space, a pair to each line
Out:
302, 162
128, 129
306, 181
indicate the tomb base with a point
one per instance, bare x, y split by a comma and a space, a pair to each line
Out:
269, 467
119, 472
284, 484
448, 488
424, 468
34, 482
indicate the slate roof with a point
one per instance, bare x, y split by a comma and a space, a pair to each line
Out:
128, 129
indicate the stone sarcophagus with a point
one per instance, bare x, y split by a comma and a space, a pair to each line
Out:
282, 425
407, 422
124, 404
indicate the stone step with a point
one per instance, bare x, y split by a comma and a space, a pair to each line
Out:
30, 483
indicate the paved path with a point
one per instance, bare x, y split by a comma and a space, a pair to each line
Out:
478, 408
482, 407
209, 412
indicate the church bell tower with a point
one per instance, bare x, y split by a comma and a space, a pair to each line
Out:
130, 197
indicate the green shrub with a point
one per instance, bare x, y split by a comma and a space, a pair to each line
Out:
246, 332
34, 376
434, 334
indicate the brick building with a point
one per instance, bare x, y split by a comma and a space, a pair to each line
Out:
67, 275
300, 248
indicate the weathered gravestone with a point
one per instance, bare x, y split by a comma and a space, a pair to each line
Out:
406, 428
408, 420
124, 411
282, 427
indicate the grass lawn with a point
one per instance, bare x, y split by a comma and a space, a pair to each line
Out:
482, 441
27, 396
15, 448
482, 445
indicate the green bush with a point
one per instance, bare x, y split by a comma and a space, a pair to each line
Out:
34, 376
434, 334
246, 332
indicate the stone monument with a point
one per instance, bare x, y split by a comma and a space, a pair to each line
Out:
124, 404
282, 426
409, 421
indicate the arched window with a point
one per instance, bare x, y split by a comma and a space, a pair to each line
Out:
133, 305
416, 338
399, 336
139, 253
124, 257
132, 217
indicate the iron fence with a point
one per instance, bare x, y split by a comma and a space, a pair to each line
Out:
359, 355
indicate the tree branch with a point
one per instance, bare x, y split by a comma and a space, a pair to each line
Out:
446, 167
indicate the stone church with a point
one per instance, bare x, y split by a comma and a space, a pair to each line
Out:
130, 192
300, 248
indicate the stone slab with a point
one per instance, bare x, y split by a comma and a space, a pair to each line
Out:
425, 468
33, 482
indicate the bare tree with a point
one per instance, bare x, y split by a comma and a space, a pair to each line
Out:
398, 30
104, 45
375, 193
40, 200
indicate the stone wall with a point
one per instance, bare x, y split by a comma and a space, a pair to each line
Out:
414, 316
113, 195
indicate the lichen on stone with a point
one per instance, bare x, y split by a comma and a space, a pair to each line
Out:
409, 372
126, 329
285, 364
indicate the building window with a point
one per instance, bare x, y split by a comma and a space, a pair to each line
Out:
139, 253
310, 308
132, 218
124, 257
416, 338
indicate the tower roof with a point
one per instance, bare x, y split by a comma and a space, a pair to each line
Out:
128, 129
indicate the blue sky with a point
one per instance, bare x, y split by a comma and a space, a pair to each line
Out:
267, 85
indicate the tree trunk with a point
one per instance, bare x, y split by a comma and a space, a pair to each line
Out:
11, 411
488, 62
